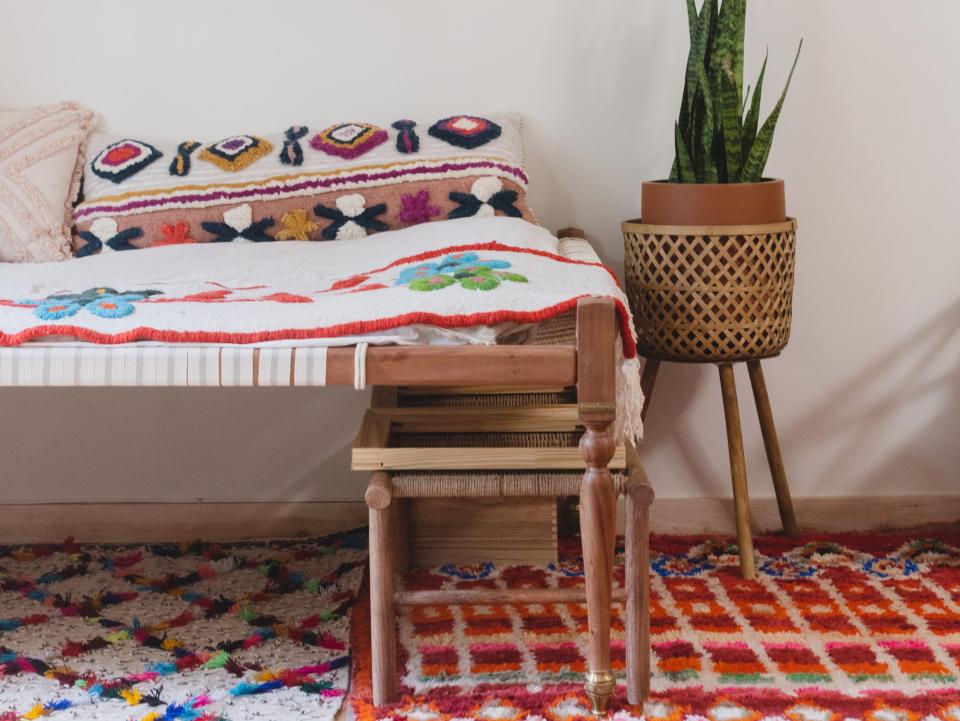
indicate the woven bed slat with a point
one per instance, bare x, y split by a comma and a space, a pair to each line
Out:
489, 400
559, 330
485, 440
491, 484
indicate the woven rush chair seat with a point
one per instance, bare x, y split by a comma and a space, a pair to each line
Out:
491, 484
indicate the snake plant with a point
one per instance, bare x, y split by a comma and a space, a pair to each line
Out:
716, 136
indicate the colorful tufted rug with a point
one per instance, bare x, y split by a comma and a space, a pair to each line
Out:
857, 626
213, 632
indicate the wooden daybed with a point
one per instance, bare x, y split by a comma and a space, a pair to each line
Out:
589, 365
588, 361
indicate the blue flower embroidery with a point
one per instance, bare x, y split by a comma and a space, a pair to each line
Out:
101, 302
55, 309
472, 272
416, 272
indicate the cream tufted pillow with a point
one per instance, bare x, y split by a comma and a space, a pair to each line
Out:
41, 163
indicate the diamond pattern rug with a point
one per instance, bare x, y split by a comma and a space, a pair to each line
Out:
859, 626
225, 632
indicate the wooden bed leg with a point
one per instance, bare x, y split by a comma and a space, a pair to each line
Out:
596, 398
386, 397
639, 496
383, 629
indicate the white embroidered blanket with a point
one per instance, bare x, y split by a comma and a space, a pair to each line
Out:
471, 272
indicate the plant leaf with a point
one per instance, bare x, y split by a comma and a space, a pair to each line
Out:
684, 113
685, 116
727, 45
692, 18
729, 107
753, 115
698, 48
703, 159
683, 162
740, 31
760, 151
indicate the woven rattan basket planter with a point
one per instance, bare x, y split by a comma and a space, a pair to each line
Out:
710, 294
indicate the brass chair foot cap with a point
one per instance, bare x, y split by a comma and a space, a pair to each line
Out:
599, 686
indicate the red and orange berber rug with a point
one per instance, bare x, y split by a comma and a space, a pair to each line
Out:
854, 626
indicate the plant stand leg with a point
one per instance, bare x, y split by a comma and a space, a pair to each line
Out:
647, 381
383, 629
772, 445
738, 469
596, 399
639, 496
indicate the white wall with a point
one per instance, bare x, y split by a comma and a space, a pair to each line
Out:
866, 395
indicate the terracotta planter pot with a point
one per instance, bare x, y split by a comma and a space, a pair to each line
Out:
712, 204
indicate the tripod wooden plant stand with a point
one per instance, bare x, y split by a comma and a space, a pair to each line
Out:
720, 294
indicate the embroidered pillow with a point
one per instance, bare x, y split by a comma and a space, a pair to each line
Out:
338, 182
41, 156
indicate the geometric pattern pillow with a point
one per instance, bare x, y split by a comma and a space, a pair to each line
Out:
340, 181
41, 156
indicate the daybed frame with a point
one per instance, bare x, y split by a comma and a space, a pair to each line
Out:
590, 365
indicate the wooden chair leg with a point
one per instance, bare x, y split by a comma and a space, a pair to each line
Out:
647, 382
639, 496
598, 519
772, 445
383, 629
738, 469
596, 399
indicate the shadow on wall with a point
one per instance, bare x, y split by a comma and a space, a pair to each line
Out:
922, 369
603, 89
840, 436
670, 422
236, 444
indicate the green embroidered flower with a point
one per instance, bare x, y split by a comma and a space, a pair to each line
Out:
467, 269
434, 282
479, 281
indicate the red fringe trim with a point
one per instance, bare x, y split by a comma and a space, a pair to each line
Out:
492, 245
343, 329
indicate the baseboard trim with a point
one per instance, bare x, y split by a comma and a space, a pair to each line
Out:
154, 522
829, 514
217, 521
